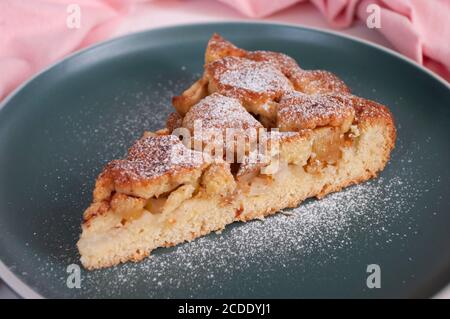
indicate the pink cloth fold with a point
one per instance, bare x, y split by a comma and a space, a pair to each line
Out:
34, 33
420, 29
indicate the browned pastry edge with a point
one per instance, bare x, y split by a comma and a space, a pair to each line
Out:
306, 81
298, 111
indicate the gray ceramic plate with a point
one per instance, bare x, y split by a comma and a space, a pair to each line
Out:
58, 130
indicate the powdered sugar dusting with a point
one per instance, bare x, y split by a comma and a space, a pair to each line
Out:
308, 111
284, 63
259, 77
153, 156
317, 232
107, 135
321, 227
222, 112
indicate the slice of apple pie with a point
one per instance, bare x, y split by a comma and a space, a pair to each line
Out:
255, 134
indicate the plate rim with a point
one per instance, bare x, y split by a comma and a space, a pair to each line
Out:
24, 290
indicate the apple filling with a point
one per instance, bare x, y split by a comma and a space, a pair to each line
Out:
323, 149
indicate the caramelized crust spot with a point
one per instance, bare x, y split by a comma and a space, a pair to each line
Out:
246, 80
154, 165
219, 48
174, 121
319, 82
297, 111
195, 93
96, 209
366, 109
369, 112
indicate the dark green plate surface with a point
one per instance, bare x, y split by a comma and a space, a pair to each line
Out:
58, 131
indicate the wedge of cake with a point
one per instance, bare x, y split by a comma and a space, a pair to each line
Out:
255, 134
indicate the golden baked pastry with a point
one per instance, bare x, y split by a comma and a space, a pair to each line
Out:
256, 78
254, 135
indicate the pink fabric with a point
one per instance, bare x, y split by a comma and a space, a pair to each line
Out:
420, 29
34, 33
